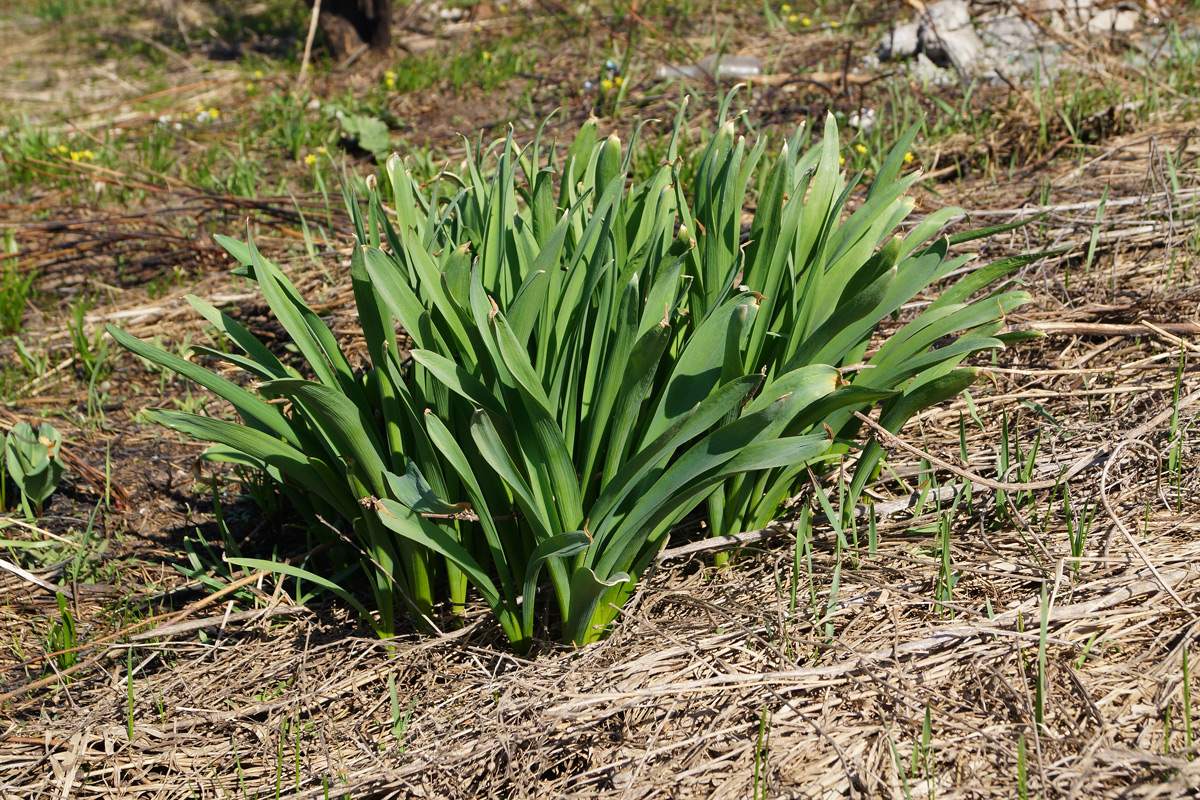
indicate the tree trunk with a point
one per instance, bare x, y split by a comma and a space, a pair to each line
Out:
350, 24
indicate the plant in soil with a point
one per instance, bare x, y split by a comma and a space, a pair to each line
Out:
585, 363
33, 460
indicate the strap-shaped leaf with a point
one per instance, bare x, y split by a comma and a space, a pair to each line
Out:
621, 489
259, 446
249, 365
256, 412
388, 281
373, 313
587, 590
797, 451
612, 370
306, 329
899, 410
458, 379
551, 443
640, 371
414, 491
412, 526
267, 362
708, 454
698, 370
351, 428
502, 556
559, 546
491, 447
298, 572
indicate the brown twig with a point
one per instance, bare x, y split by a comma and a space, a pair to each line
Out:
308, 43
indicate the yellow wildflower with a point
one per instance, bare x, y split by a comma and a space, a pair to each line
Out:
908, 157
835, 24
213, 113
82, 155
785, 8
607, 84
322, 150
805, 21
792, 18
860, 148
841, 161
618, 80
310, 159
258, 74
486, 55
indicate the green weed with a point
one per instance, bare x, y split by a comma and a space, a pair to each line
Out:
61, 636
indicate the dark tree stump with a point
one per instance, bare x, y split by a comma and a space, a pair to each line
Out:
350, 24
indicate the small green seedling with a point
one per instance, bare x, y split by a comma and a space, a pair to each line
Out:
61, 637
34, 462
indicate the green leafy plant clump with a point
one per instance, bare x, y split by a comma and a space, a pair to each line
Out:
588, 362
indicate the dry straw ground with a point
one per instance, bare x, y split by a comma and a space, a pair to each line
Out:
971, 652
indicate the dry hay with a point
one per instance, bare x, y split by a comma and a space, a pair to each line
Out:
672, 703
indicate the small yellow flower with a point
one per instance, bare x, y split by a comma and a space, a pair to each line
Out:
258, 74
792, 18
250, 87
214, 113
606, 85
322, 150
389, 75
805, 21
785, 8
908, 157
503, 8
486, 55
62, 150
618, 80
82, 155
310, 159
860, 148
835, 24
390, 83
841, 161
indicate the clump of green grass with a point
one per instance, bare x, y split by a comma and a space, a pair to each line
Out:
590, 362
15, 291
